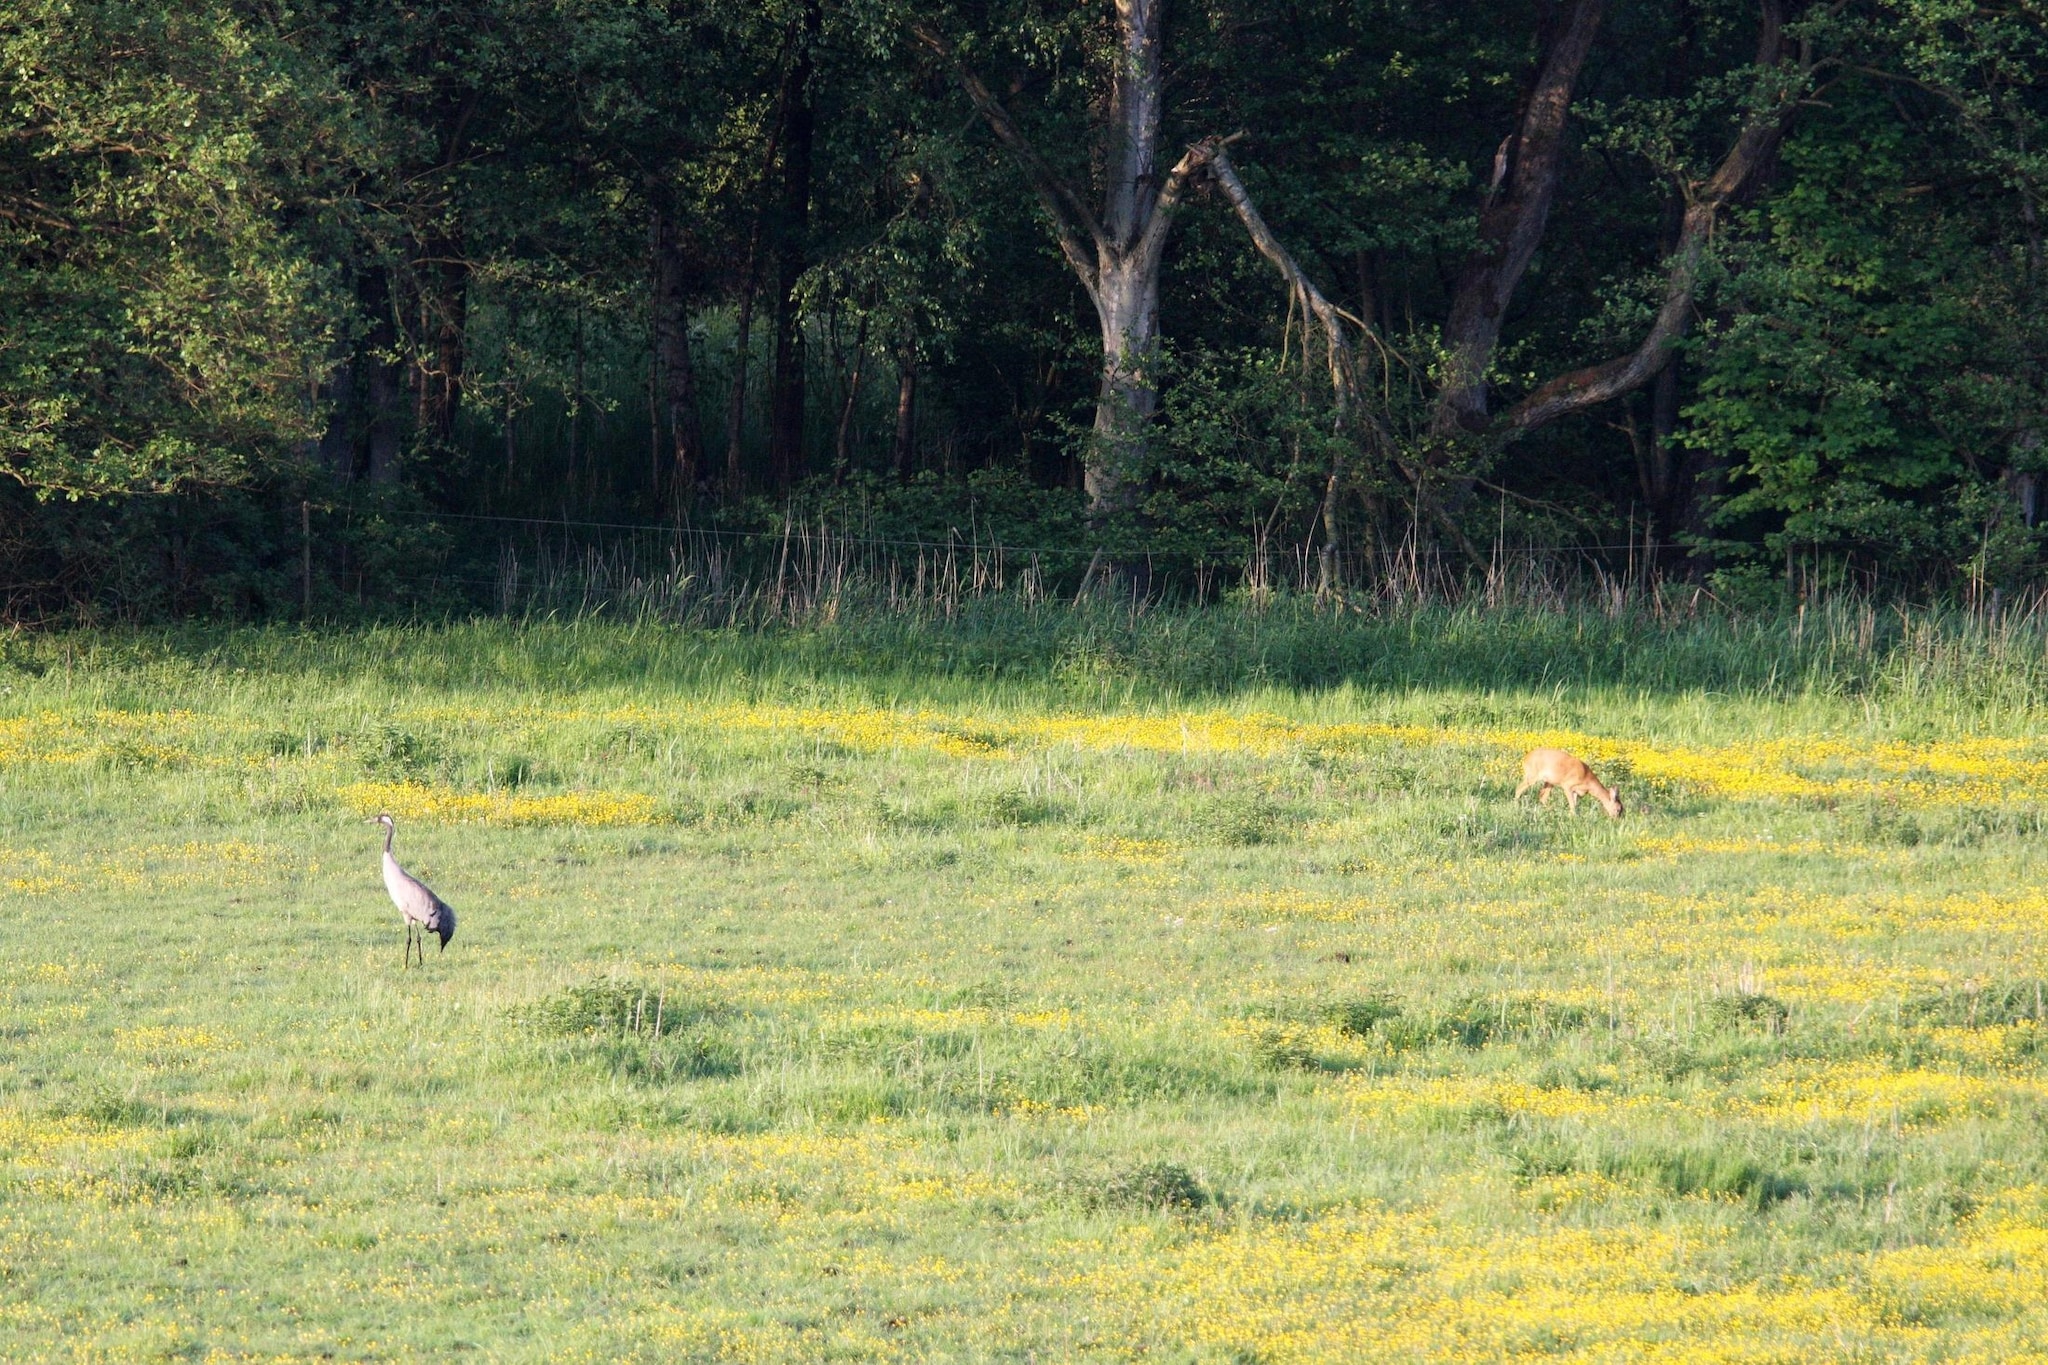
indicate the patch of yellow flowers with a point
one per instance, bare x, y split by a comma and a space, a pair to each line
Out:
1973, 771
1377, 1283
417, 800
151, 867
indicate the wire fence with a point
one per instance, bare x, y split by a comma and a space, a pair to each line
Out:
809, 568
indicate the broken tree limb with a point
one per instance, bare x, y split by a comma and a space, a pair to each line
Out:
1512, 219
1353, 416
1302, 291
1771, 107
1080, 235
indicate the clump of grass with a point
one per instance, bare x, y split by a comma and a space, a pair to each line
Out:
1706, 1173
1470, 1021
1685, 1170
1361, 1017
634, 1030
1162, 1185
1747, 1010
608, 1007
1008, 806
395, 753
1886, 824
1991, 1004
1240, 820
513, 770
112, 1109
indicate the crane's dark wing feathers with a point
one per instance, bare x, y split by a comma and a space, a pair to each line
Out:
441, 919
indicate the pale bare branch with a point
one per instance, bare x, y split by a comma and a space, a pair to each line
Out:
1081, 237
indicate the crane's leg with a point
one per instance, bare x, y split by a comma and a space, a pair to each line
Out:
408, 943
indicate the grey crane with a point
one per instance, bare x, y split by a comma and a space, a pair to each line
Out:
425, 913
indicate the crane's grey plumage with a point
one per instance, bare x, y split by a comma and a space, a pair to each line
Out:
425, 913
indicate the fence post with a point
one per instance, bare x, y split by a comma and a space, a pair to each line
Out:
305, 559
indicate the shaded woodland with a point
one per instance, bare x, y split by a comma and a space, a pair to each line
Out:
321, 306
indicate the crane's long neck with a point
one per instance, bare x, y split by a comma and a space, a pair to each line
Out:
389, 831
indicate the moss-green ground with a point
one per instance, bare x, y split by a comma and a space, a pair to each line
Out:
805, 1012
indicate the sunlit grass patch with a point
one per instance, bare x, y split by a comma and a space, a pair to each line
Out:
191, 864
1382, 1284
1136, 852
810, 1020
416, 800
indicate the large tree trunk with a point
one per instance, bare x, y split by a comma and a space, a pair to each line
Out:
901, 448
786, 454
1126, 284
1117, 257
1511, 224
382, 435
736, 396
1127, 304
335, 451
675, 372
439, 356
372, 422
365, 422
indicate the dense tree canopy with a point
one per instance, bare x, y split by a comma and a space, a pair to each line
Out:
1757, 281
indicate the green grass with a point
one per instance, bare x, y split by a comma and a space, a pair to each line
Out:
965, 990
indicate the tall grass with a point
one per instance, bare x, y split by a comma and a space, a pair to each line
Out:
963, 623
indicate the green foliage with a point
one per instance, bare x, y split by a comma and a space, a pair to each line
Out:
407, 262
162, 320
1824, 385
1246, 444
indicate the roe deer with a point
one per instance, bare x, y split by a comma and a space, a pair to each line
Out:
1547, 768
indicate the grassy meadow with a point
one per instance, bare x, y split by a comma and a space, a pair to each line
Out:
1068, 987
